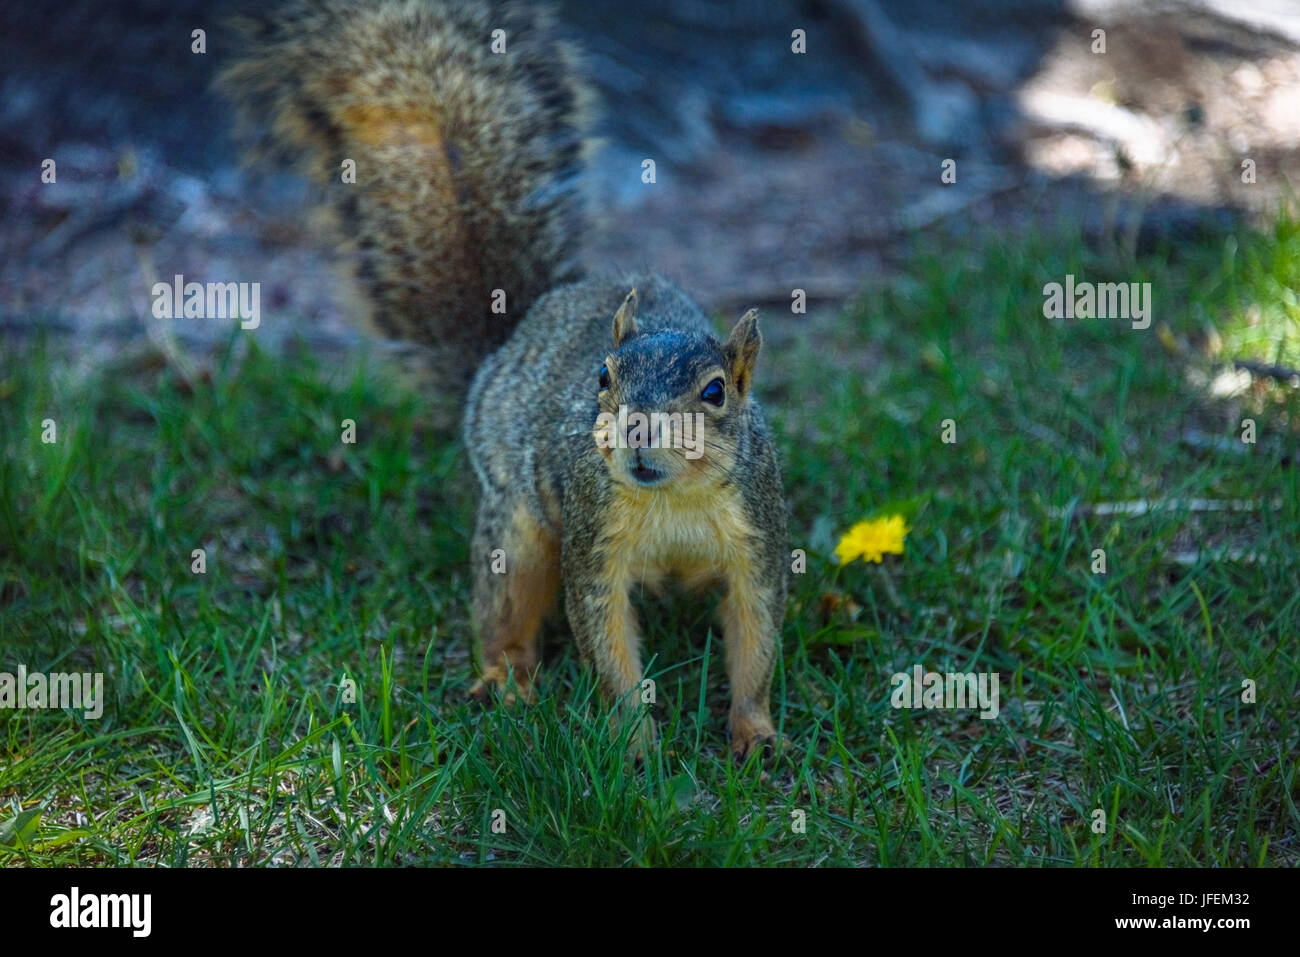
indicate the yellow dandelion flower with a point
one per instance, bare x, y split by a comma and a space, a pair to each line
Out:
872, 540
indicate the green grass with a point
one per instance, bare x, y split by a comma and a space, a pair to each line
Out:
225, 739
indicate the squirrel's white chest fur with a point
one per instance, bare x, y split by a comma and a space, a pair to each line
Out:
695, 536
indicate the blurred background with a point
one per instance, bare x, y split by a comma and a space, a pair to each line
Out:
774, 170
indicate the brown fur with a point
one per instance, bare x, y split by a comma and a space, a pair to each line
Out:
465, 161
717, 522
512, 612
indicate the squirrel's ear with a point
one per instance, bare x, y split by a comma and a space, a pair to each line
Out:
741, 350
625, 319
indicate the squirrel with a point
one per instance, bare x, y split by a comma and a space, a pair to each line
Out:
468, 143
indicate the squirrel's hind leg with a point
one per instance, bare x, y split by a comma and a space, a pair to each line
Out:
516, 571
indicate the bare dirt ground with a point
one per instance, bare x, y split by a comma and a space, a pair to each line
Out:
774, 170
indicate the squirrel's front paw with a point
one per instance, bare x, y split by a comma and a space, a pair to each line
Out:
643, 740
747, 739
486, 689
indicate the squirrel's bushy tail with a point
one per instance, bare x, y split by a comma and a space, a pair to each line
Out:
465, 159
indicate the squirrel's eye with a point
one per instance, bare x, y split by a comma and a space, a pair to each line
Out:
714, 393
604, 378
